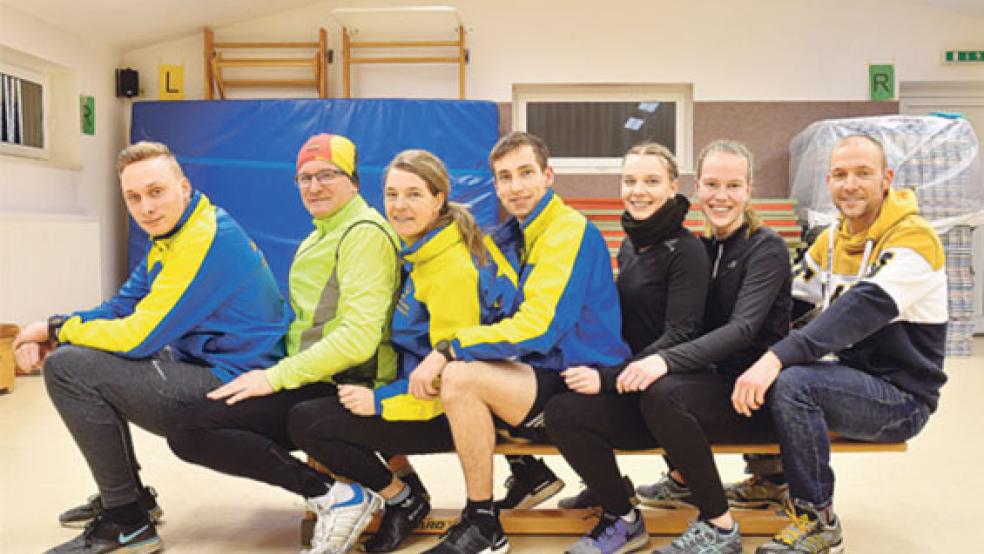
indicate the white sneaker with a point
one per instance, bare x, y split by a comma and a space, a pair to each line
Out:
342, 515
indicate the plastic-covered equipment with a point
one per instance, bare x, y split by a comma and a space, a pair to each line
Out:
937, 156
242, 154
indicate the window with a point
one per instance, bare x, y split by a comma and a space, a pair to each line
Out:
589, 127
22, 112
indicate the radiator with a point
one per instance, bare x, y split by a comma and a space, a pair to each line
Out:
49, 263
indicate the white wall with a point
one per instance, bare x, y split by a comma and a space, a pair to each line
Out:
90, 188
751, 50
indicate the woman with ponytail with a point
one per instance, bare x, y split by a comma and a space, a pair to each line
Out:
450, 282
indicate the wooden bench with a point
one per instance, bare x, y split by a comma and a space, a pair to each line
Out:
659, 521
779, 214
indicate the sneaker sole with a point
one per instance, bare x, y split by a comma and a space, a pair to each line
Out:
546, 493
670, 504
146, 547
155, 516
638, 543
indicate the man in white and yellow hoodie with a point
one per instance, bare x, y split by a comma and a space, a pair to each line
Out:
870, 365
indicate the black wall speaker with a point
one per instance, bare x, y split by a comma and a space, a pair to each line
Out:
127, 83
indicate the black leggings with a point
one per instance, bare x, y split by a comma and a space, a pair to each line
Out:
249, 438
347, 443
683, 413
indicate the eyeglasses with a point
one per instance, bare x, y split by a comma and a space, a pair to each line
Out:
325, 177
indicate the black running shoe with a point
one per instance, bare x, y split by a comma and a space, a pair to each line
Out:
532, 484
102, 535
397, 524
467, 537
80, 516
587, 499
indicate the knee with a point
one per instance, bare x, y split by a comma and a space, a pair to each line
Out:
658, 397
791, 383
304, 418
61, 364
563, 415
457, 381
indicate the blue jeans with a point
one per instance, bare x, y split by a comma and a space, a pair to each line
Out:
810, 401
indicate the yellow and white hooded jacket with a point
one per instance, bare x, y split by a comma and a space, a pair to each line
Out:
884, 296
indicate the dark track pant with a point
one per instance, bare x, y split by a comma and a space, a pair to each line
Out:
98, 394
347, 444
683, 413
250, 438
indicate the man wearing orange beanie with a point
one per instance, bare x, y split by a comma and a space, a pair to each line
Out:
343, 282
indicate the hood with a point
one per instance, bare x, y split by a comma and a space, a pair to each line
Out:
898, 205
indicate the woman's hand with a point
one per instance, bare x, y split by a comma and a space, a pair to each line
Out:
357, 399
638, 375
582, 379
424, 378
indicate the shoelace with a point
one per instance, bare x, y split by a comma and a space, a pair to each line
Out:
605, 526
691, 538
798, 526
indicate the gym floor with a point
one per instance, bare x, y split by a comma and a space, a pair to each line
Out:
919, 501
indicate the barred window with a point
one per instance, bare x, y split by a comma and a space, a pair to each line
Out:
22, 129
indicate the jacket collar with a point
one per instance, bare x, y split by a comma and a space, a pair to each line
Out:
432, 244
197, 200
341, 215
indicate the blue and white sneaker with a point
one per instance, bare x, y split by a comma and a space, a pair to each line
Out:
343, 513
613, 535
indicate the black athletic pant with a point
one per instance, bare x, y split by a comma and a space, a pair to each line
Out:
250, 439
347, 444
683, 413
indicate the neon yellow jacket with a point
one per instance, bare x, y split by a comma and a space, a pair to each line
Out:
343, 283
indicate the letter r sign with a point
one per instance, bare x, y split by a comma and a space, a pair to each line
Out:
881, 81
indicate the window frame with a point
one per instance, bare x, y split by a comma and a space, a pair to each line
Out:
24, 151
681, 94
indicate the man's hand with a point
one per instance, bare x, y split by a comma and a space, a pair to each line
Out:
638, 375
31, 346
751, 386
358, 400
249, 384
582, 379
423, 379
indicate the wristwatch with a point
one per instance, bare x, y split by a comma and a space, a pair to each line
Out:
444, 347
55, 323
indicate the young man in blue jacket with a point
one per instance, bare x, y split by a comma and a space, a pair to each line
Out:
567, 315
201, 308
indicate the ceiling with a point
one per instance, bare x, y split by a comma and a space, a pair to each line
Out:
130, 24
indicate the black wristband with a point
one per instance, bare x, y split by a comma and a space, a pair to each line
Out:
55, 323
444, 347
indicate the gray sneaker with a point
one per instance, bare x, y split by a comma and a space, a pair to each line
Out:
665, 493
80, 516
703, 538
756, 492
807, 533
613, 535
343, 513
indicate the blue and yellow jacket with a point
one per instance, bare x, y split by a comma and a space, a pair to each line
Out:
445, 289
568, 312
203, 289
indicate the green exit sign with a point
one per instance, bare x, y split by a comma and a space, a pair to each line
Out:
963, 56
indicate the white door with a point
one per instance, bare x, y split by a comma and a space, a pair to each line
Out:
967, 98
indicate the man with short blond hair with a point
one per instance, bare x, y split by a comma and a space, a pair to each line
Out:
201, 308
